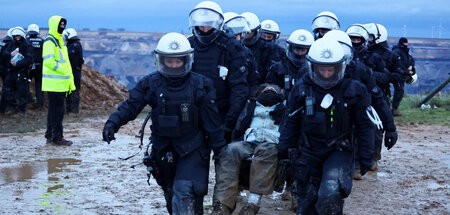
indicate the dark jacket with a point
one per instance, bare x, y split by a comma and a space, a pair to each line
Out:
263, 52
168, 121
25, 49
75, 51
284, 74
406, 60
233, 91
349, 113
36, 43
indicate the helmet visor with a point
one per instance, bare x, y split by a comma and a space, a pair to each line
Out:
237, 25
327, 75
205, 17
326, 22
296, 53
173, 66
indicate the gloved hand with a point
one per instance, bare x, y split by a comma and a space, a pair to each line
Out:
218, 153
390, 139
108, 131
228, 135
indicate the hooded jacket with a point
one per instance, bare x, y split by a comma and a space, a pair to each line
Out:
56, 71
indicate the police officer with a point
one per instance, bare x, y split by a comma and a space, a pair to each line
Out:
322, 111
378, 44
3, 62
324, 21
294, 65
407, 69
236, 26
221, 58
256, 136
75, 51
17, 55
261, 49
35, 40
183, 113
270, 32
358, 71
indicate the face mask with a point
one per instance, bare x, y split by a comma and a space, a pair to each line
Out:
269, 98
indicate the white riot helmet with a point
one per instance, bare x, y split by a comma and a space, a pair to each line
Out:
174, 49
206, 14
33, 29
298, 40
377, 31
270, 29
255, 25
327, 62
360, 32
235, 24
324, 20
18, 31
344, 40
70, 33
8, 36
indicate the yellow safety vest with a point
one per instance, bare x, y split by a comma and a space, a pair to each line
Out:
56, 70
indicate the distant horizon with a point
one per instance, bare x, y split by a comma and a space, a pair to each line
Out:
410, 18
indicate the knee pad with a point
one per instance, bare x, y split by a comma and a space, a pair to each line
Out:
330, 204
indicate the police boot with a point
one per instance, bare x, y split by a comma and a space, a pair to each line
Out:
251, 206
356, 174
220, 209
374, 167
62, 142
396, 112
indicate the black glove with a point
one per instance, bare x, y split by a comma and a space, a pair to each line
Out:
364, 167
108, 131
218, 153
390, 139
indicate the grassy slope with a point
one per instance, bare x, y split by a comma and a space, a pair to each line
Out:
437, 116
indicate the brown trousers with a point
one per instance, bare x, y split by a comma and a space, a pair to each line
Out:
262, 170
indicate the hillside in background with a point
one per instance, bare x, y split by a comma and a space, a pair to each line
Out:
128, 56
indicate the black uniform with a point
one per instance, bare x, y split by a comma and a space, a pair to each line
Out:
285, 74
17, 80
36, 43
3, 62
75, 52
405, 61
183, 113
232, 89
252, 74
264, 55
324, 167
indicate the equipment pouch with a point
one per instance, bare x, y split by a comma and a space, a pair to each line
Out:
166, 121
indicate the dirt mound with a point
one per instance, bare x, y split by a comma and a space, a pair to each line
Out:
99, 91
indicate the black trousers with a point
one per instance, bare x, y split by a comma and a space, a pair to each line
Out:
399, 91
55, 115
15, 92
37, 75
73, 99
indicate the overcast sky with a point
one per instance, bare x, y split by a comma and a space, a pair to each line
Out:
168, 16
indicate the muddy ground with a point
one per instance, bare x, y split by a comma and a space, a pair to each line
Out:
88, 177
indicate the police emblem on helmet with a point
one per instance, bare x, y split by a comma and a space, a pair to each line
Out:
326, 53
302, 38
174, 45
268, 26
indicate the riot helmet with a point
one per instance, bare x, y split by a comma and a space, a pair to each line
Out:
17, 31
270, 31
70, 33
377, 33
255, 26
326, 62
33, 29
236, 25
359, 36
297, 46
206, 21
324, 22
345, 42
174, 55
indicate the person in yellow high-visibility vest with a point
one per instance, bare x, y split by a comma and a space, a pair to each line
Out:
57, 79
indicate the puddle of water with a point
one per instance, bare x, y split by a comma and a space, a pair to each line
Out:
36, 170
